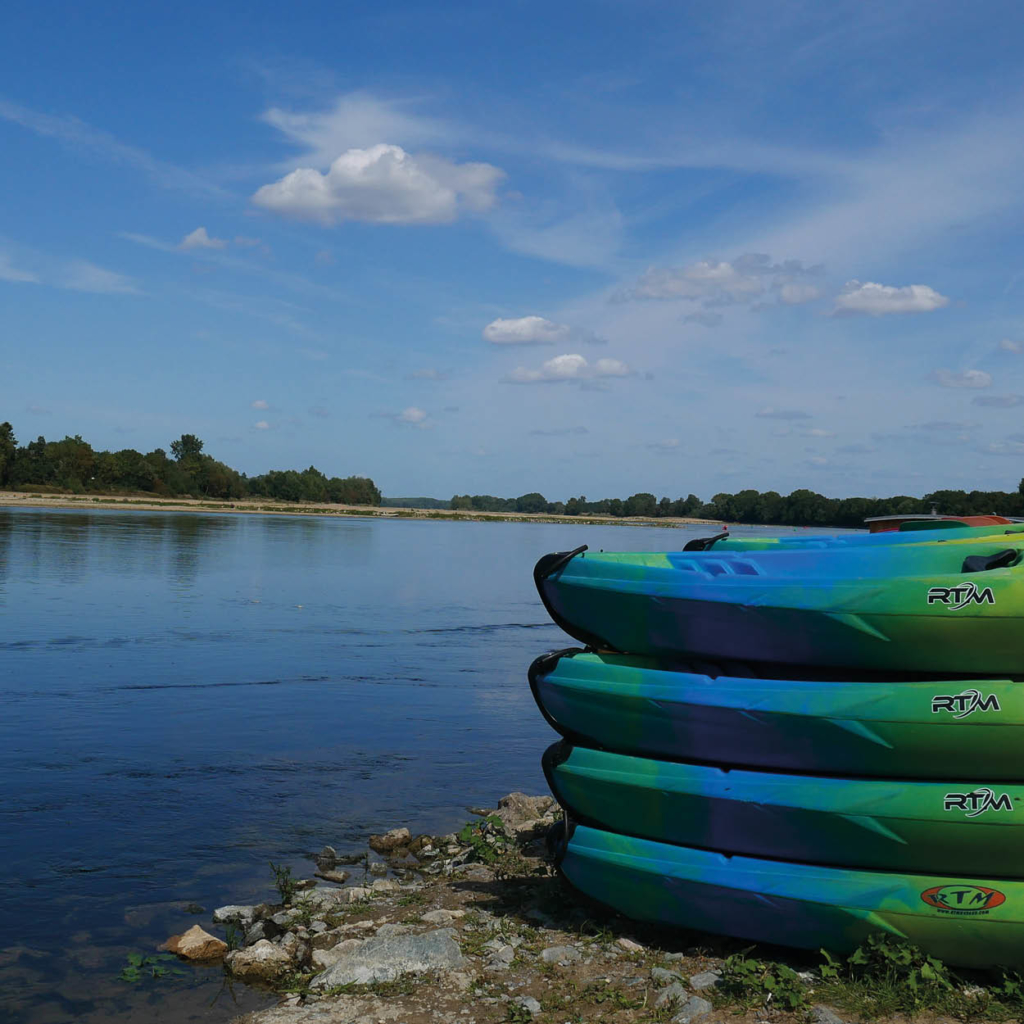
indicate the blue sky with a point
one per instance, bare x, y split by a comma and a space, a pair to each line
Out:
591, 248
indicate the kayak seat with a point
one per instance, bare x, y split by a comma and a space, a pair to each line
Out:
982, 563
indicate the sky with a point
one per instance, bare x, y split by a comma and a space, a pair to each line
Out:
583, 248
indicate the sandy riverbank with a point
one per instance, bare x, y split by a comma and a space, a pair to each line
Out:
253, 506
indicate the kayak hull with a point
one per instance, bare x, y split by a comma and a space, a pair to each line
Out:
915, 728
954, 827
966, 921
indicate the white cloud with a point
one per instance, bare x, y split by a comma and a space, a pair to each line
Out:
428, 373
412, 415
1008, 345
881, 299
771, 413
199, 239
383, 185
967, 379
818, 432
998, 401
243, 242
262, 425
526, 330
261, 403
9, 272
572, 367
667, 445
83, 276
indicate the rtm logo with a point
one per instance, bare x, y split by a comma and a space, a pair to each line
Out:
960, 705
963, 899
977, 802
961, 596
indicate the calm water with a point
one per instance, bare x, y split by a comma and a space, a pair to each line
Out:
185, 696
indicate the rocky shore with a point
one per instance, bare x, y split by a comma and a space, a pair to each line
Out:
476, 927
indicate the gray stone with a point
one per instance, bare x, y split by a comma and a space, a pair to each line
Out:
327, 857
324, 958
706, 979
385, 885
386, 957
261, 962
821, 1014
332, 875
527, 1003
393, 929
693, 1009
660, 976
316, 927
235, 915
378, 867
283, 918
260, 930
560, 954
518, 808
390, 840
671, 995
442, 916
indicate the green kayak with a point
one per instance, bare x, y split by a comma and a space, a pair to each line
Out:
965, 920
840, 724
948, 606
955, 827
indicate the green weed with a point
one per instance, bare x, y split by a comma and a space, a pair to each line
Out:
158, 965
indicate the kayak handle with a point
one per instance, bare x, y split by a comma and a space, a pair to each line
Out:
703, 543
542, 572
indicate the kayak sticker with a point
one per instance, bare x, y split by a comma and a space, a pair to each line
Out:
963, 899
960, 596
960, 705
977, 802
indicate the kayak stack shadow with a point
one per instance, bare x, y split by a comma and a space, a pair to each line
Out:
797, 742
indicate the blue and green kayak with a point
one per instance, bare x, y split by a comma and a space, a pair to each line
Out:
894, 825
895, 726
947, 606
968, 921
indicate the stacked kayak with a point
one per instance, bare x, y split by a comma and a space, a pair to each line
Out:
797, 744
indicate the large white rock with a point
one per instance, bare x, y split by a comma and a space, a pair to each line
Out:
262, 962
389, 956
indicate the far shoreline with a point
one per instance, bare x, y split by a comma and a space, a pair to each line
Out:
249, 506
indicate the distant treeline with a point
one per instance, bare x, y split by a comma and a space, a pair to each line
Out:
800, 508
430, 503
73, 465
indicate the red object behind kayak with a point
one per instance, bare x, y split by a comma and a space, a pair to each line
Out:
885, 524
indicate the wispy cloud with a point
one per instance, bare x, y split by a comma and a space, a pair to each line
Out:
82, 276
79, 135
9, 272
965, 379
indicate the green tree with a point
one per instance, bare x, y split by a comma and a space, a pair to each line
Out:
187, 448
642, 504
8, 450
532, 502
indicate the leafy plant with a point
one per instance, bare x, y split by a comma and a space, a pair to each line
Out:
157, 965
233, 935
486, 838
286, 886
762, 981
